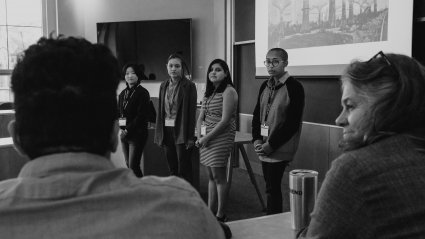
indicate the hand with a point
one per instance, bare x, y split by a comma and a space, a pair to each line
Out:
263, 149
202, 142
257, 143
123, 133
190, 144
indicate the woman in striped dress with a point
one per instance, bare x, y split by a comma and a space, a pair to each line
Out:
216, 132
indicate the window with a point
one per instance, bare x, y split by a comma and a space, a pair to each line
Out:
21, 24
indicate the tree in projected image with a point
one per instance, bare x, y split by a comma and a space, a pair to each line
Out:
20, 26
312, 23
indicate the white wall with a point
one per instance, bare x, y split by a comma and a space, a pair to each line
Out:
79, 18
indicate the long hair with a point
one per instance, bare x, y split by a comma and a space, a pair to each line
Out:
397, 83
185, 69
226, 81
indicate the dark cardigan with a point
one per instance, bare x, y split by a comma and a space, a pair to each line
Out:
136, 112
184, 129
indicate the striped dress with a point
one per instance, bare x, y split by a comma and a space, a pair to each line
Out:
219, 148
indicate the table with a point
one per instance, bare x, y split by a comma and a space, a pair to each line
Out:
273, 226
6, 142
240, 140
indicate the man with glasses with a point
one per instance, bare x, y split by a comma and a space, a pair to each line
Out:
276, 125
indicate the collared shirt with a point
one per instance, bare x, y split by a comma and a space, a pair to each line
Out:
272, 83
81, 195
171, 95
280, 107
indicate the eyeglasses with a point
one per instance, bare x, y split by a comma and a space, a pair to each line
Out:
381, 54
273, 62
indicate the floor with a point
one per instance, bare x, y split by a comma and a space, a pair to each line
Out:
243, 201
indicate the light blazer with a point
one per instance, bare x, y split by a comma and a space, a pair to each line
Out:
184, 129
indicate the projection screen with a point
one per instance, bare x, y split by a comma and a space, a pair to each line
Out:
323, 36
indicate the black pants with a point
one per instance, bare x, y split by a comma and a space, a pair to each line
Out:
133, 150
178, 157
273, 173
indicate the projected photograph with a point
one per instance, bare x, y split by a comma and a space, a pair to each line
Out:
313, 23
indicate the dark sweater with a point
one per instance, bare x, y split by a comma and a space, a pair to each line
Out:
377, 191
136, 112
284, 118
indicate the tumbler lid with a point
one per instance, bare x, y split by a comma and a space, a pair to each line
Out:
303, 173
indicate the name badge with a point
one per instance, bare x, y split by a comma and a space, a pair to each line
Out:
170, 122
203, 130
122, 122
265, 130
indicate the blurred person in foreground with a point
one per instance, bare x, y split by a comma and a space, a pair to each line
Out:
375, 189
66, 123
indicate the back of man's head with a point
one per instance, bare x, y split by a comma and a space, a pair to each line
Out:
65, 97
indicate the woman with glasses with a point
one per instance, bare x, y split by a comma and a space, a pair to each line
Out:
276, 124
375, 189
176, 118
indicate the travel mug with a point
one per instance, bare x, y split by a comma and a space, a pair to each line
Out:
303, 191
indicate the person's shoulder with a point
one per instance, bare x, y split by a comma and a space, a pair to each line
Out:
170, 184
291, 81
229, 90
142, 89
263, 86
374, 158
122, 92
178, 205
164, 82
189, 82
8, 188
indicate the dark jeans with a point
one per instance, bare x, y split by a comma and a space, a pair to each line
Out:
133, 150
178, 157
273, 173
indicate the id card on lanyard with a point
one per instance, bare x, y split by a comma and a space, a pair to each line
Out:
122, 121
264, 127
207, 106
170, 100
203, 129
170, 122
264, 130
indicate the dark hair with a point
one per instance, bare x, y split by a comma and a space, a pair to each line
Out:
282, 53
397, 82
185, 69
226, 81
137, 70
65, 97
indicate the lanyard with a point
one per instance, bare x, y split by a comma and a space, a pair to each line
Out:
269, 102
208, 102
127, 98
271, 99
171, 98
